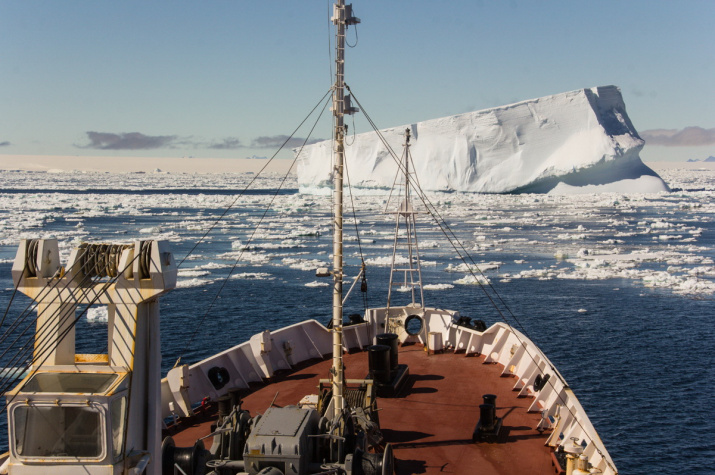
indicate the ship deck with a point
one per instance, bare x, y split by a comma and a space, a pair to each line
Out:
431, 420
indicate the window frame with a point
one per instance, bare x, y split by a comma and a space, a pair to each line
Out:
14, 430
121, 398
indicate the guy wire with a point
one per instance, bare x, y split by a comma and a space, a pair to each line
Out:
260, 221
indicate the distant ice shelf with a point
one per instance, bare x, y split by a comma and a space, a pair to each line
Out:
575, 142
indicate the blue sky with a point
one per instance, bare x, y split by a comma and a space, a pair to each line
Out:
231, 78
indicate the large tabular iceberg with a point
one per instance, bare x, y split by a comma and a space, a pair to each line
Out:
579, 141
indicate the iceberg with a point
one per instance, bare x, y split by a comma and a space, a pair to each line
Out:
574, 142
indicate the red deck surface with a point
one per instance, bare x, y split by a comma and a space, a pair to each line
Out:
430, 423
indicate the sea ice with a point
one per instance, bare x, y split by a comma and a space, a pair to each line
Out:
437, 286
97, 314
253, 276
317, 284
193, 273
608, 236
473, 280
195, 282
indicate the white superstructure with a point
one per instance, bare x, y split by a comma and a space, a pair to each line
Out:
99, 413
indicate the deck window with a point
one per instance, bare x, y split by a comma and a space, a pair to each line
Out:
57, 431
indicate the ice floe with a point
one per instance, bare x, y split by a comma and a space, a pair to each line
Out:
660, 241
97, 314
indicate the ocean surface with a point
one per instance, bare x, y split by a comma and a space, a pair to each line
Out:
616, 289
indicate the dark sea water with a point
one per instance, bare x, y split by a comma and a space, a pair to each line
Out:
638, 354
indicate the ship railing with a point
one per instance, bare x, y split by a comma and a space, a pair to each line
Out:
521, 359
254, 361
268, 352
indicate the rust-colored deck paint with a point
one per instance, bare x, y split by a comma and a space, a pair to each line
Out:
430, 423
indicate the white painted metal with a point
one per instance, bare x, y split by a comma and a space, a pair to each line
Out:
134, 356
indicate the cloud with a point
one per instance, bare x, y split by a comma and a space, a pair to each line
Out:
687, 137
139, 141
128, 141
278, 140
5, 144
229, 143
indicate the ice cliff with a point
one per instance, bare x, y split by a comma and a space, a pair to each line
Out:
574, 142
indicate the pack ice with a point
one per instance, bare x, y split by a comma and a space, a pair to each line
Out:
575, 142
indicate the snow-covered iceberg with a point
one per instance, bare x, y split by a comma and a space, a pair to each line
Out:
579, 141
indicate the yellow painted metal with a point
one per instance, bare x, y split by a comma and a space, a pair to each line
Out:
90, 358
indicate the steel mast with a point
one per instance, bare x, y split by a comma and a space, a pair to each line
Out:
342, 17
413, 266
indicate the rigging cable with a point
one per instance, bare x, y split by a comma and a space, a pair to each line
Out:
41, 343
7, 310
356, 38
255, 230
12, 297
444, 227
29, 309
44, 349
462, 252
95, 262
452, 238
255, 177
363, 286
348, 143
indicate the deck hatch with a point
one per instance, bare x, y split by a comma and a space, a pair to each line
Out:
283, 423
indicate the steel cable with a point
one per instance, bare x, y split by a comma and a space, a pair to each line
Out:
255, 230
464, 256
255, 177
46, 349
